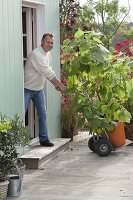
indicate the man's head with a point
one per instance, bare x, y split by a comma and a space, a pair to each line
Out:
47, 41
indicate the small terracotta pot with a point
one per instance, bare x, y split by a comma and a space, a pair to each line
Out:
118, 136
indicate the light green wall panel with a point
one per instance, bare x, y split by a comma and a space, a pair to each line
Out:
52, 17
11, 70
34, 1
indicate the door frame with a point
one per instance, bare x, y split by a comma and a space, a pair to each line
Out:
38, 19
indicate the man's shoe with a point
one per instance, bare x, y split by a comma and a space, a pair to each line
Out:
46, 143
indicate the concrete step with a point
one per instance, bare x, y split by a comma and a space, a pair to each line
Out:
36, 156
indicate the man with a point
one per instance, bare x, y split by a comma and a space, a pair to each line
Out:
37, 70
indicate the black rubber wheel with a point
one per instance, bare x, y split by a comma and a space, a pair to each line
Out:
91, 144
92, 141
103, 147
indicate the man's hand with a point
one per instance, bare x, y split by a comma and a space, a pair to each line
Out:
61, 89
58, 85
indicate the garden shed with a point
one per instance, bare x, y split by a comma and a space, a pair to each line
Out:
23, 22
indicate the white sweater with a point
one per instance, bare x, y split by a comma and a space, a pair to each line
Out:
37, 69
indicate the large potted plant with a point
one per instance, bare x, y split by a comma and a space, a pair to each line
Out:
98, 81
12, 134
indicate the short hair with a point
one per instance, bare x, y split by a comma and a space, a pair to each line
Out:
48, 34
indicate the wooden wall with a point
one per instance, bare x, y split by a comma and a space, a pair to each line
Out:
11, 70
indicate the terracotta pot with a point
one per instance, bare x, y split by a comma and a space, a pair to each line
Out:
118, 136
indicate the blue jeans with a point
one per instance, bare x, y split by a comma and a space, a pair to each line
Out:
38, 98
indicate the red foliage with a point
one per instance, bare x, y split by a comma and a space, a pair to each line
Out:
124, 47
63, 78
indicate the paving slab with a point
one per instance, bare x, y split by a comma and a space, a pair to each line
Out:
79, 174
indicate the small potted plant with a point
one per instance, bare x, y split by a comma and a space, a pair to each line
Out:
4, 162
68, 116
12, 134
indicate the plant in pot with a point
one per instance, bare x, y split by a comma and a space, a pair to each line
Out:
98, 81
68, 116
12, 134
4, 163
129, 125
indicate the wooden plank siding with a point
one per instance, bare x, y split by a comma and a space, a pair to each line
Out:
53, 98
11, 71
35, 1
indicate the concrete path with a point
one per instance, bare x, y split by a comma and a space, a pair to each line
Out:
79, 174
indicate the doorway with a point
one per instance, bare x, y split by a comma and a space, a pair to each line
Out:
29, 43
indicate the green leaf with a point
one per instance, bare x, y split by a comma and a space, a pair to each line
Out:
104, 109
102, 48
122, 116
129, 85
97, 40
97, 33
131, 93
66, 42
103, 91
75, 67
95, 122
71, 90
79, 33
131, 64
84, 58
84, 68
97, 57
121, 94
80, 122
84, 46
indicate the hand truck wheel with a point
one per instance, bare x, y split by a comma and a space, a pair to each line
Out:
103, 147
92, 141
